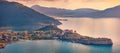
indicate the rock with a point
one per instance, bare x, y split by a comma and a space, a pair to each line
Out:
2, 45
96, 41
77, 38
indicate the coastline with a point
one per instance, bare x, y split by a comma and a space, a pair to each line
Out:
52, 32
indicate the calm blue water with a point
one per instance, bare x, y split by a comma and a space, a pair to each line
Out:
105, 27
54, 46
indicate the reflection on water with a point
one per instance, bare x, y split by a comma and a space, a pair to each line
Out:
104, 27
96, 27
53, 46
99, 27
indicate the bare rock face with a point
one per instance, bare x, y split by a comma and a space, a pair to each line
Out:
96, 41
2, 44
77, 38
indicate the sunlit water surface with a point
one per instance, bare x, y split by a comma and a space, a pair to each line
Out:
99, 27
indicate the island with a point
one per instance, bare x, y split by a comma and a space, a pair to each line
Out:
51, 32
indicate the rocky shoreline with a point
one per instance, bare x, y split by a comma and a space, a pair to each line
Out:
95, 41
73, 36
2, 44
51, 32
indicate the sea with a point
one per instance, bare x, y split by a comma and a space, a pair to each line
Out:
93, 27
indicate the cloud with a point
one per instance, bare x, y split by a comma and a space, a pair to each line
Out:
92, 0
33, 2
38, 0
51, 0
54, 0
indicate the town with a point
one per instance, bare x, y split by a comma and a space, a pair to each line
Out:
50, 32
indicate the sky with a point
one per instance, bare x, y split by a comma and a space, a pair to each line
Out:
72, 4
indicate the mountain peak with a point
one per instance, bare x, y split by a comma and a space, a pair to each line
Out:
86, 9
82, 12
17, 15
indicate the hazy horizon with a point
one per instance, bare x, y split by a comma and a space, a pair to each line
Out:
71, 4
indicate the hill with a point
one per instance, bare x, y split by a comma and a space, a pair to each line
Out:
13, 14
82, 12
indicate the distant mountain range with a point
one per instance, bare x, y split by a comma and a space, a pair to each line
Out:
17, 15
83, 12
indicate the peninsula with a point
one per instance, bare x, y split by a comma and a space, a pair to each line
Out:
51, 32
